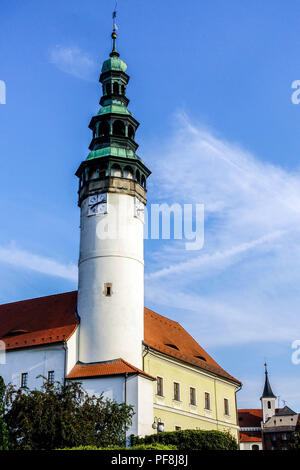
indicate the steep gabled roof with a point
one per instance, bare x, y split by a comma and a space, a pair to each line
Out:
285, 411
53, 319
170, 338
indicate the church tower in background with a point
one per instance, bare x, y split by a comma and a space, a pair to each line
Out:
268, 399
112, 198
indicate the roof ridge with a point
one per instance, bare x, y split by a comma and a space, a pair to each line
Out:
38, 298
163, 316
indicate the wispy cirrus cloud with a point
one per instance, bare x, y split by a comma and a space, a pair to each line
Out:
248, 272
23, 259
74, 61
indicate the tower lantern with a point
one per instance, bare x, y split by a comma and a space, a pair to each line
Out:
112, 197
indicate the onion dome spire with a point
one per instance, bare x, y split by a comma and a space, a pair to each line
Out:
113, 146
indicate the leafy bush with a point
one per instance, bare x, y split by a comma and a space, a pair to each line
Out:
190, 439
63, 415
138, 447
3, 429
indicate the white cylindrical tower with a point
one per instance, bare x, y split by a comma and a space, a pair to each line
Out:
112, 196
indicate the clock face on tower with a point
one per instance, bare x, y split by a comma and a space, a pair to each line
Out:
139, 209
97, 204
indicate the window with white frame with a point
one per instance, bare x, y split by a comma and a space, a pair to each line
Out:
24, 380
51, 377
176, 391
192, 396
226, 406
160, 386
207, 400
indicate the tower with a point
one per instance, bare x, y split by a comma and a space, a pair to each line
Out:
112, 197
268, 399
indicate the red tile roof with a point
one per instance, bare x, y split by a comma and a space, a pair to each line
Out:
250, 418
46, 320
117, 367
52, 319
244, 437
161, 332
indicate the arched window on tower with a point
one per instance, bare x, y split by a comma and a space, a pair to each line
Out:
143, 181
138, 176
108, 88
128, 173
116, 171
269, 405
123, 89
94, 173
102, 171
130, 132
116, 88
119, 128
103, 129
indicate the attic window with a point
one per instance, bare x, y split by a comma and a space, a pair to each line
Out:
201, 358
172, 346
15, 332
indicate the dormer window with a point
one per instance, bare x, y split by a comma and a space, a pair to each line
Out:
173, 346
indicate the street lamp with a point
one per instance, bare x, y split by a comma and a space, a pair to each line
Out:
157, 424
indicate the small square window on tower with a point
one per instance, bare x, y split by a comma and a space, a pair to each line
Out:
108, 289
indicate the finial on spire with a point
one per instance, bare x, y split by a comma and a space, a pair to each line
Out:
266, 367
114, 52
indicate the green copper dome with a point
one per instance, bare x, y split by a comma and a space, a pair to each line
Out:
114, 63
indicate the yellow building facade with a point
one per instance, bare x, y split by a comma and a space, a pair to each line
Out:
188, 397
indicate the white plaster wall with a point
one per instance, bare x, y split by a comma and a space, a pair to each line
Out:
35, 361
248, 445
111, 327
72, 351
268, 412
140, 395
111, 387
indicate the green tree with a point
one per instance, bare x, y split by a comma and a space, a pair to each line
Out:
3, 429
190, 439
63, 415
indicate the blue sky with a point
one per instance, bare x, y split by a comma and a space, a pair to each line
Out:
211, 87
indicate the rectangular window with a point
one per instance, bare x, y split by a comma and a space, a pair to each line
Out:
160, 386
192, 396
207, 401
226, 406
24, 380
51, 376
108, 289
176, 391
177, 428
